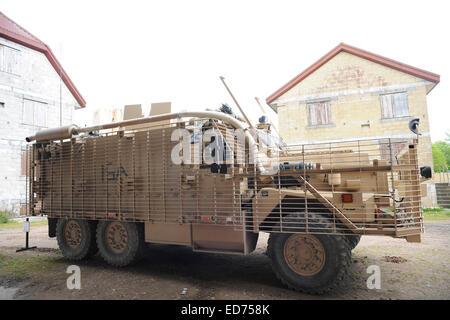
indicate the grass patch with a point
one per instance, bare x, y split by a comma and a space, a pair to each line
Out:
18, 265
18, 225
436, 214
433, 210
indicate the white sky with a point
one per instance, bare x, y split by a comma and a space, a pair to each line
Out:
127, 52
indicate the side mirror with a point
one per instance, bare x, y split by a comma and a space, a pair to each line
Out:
426, 172
414, 125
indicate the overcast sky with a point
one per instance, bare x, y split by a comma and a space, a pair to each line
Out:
127, 52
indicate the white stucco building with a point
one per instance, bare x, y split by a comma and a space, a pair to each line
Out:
35, 93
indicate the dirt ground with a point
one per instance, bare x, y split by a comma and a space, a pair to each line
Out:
408, 271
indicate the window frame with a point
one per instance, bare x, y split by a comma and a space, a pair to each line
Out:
328, 117
3, 61
394, 111
42, 114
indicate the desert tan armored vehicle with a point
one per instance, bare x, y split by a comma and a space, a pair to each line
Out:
208, 181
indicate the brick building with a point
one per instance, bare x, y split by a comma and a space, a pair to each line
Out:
35, 93
352, 94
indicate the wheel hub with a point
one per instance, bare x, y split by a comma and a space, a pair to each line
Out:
116, 237
304, 254
73, 234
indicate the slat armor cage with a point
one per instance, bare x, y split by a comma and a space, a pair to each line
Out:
128, 173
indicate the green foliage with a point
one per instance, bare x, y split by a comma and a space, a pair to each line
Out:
438, 158
4, 218
436, 214
433, 210
441, 155
225, 108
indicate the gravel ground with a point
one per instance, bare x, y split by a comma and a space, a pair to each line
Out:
408, 271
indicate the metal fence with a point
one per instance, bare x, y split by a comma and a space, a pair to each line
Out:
442, 172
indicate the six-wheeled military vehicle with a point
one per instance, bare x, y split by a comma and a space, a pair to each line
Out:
211, 182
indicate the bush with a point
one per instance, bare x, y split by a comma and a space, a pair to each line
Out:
441, 155
4, 218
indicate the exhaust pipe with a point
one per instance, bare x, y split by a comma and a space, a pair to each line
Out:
54, 134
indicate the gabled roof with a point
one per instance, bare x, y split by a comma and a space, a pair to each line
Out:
13, 32
426, 75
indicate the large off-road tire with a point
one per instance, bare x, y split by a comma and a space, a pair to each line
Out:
76, 238
120, 243
352, 241
310, 263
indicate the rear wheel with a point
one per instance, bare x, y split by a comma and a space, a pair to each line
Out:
120, 243
76, 238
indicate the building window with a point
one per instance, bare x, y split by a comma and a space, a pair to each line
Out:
34, 113
394, 105
319, 113
9, 60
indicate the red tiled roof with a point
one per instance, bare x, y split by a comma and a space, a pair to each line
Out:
13, 32
432, 77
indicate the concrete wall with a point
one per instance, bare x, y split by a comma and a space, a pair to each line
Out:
34, 79
353, 86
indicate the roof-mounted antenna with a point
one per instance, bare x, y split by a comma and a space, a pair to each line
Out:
235, 101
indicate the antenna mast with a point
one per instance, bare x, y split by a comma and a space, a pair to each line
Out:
235, 101
60, 86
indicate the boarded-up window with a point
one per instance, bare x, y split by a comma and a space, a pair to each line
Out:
9, 60
319, 113
394, 105
34, 113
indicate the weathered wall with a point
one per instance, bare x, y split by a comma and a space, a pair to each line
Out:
353, 86
34, 79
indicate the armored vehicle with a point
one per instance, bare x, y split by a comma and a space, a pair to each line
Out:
211, 182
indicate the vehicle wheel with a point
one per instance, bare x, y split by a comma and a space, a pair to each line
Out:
120, 243
352, 241
309, 263
76, 238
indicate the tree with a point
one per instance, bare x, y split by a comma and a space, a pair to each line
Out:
441, 155
225, 108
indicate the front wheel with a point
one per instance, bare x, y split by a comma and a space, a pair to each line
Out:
309, 263
352, 241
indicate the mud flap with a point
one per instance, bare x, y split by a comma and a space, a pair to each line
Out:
413, 238
52, 227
